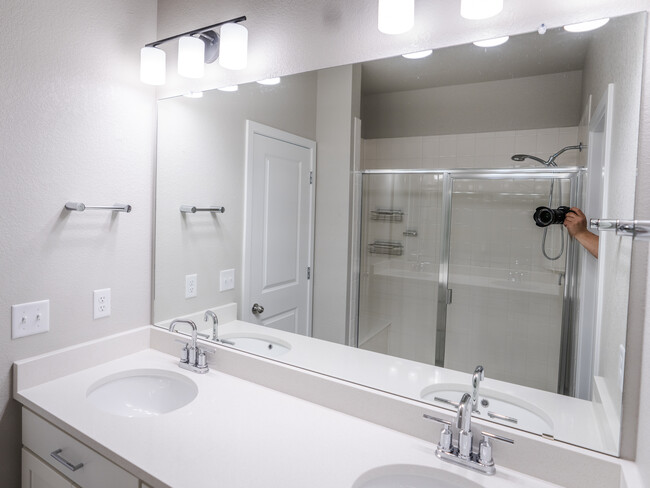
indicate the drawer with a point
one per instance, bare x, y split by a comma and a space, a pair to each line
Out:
43, 439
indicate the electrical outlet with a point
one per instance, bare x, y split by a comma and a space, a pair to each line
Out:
226, 279
191, 286
30, 318
101, 303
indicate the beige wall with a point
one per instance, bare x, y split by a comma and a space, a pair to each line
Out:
534, 102
76, 124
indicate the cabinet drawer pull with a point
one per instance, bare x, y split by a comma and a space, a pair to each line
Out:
72, 467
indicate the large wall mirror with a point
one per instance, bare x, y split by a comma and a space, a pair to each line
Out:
400, 194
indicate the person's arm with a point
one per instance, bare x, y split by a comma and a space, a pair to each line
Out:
576, 224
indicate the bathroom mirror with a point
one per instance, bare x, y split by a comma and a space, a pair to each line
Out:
443, 267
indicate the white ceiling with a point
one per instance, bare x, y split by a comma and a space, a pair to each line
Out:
523, 55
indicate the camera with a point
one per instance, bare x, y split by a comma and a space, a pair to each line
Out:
545, 216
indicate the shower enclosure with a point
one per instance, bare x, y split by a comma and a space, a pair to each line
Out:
452, 271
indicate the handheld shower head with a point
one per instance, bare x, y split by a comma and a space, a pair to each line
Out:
521, 157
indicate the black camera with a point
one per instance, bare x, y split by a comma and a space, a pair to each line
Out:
545, 216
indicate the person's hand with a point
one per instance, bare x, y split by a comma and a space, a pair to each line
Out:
575, 222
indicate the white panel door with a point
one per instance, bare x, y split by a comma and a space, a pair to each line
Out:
279, 230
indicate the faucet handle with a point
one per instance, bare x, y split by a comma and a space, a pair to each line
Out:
445, 443
485, 448
185, 352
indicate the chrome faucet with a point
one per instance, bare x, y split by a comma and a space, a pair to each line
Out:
463, 453
192, 357
215, 323
477, 377
215, 327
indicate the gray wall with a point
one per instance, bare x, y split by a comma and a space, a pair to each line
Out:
202, 162
535, 102
76, 124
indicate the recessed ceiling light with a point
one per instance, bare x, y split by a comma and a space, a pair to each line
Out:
418, 55
480, 9
269, 81
229, 88
497, 41
586, 26
193, 94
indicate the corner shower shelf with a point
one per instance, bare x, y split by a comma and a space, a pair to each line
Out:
386, 247
387, 215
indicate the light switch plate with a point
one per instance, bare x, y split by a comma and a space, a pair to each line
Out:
30, 318
227, 279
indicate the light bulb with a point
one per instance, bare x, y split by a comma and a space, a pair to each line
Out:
152, 66
497, 41
480, 9
395, 16
233, 49
190, 57
269, 81
586, 26
418, 55
229, 88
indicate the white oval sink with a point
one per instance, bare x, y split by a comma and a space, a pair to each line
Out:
411, 476
258, 344
495, 406
142, 392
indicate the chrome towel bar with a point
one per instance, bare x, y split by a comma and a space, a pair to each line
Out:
193, 209
637, 229
80, 207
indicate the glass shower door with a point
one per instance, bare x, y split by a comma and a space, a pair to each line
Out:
400, 239
505, 300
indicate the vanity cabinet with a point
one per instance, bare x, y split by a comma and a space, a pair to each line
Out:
37, 474
74, 460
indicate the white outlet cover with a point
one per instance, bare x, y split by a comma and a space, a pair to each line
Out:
30, 318
191, 286
101, 303
226, 279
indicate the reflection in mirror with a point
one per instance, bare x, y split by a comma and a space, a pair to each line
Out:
426, 257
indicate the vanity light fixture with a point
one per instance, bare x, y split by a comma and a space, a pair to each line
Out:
497, 41
195, 48
395, 16
229, 88
418, 55
480, 9
269, 81
586, 26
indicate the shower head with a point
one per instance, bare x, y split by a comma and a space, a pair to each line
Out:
551, 160
521, 157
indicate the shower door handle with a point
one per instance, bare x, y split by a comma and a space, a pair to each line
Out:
257, 308
637, 229
450, 295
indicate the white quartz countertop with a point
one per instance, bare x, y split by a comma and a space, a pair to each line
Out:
236, 434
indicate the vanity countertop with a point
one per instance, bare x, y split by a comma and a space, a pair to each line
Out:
235, 434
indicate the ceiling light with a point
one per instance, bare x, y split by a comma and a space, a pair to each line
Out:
497, 41
269, 81
586, 26
418, 55
195, 48
234, 46
229, 88
480, 9
152, 66
191, 52
395, 16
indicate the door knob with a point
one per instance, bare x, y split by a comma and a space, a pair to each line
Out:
257, 308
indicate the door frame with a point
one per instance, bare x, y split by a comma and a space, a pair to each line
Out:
255, 128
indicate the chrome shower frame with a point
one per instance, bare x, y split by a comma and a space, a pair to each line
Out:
566, 384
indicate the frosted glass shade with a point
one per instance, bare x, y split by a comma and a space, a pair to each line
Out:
395, 16
497, 41
233, 48
191, 51
586, 26
152, 66
480, 9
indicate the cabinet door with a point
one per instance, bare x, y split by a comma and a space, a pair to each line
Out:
37, 474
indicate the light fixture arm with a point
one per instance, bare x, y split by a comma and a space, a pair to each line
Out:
196, 31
